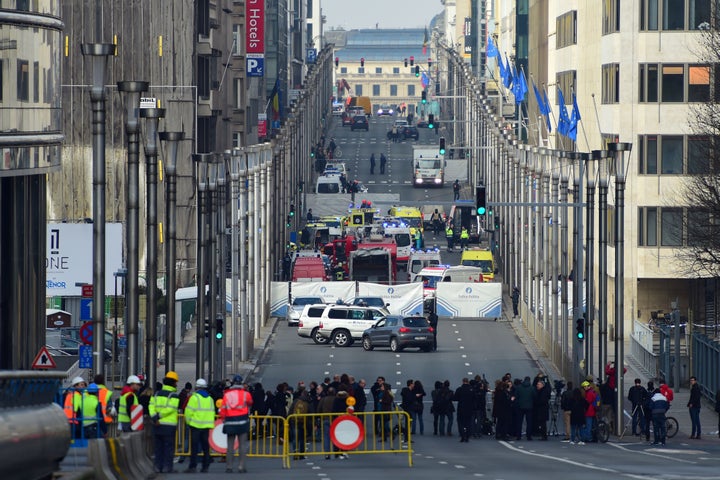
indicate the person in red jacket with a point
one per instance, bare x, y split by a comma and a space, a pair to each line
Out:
610, 372
590, 412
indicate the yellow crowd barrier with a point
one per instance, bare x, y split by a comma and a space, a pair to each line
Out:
303, 435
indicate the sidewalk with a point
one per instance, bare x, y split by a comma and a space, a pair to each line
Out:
708, 417
185, 355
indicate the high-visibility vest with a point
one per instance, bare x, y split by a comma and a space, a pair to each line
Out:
164, 405
89, 411
73, 401
449, 232
464, 234
200, 411
236, 402
104, 396
124, 413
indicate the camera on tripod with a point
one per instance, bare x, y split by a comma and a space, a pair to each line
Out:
559, 385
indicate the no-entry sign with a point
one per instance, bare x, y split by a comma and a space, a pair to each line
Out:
347, 432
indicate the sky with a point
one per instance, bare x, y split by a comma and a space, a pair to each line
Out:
384, 13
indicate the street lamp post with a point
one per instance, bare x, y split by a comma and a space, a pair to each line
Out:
237, 170
221, 255
564, 180
122, 273
131, 92
618, 151
212, 263
98, 54
578, 162
604, 180
202, 161
592, 169
172, 142
152, 117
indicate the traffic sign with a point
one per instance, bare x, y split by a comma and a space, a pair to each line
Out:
347, 432
86, 333
85, 356
87, 291
86, 308
43, 359
122, 342
255, 64
218, 439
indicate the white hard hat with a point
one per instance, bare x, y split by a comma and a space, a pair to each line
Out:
77, 380
133, 379
201, 383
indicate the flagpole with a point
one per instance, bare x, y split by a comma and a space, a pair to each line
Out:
552, 114
597, 119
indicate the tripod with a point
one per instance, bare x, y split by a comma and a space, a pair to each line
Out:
554, 410
641, 421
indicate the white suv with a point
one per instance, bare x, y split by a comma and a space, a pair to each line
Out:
309, 323
343, 324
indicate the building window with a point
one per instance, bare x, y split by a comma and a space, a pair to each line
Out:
393, 90
647, 227
566, 82
699, 227
378, 70
396, 70
672, 83
237, 38
671, 227
202, 9
358, 90
343, 69
376, 90
237, 139
566, 26
203, 77
611, 83
36, 82
411, 90
611, 16
675, 155
675, 14
2, 76
23, 81
361, 70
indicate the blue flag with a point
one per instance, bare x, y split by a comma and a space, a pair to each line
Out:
574, 119
564, 122
541, 104
503, 70
509, 74
522, 89
492, 50
548, 111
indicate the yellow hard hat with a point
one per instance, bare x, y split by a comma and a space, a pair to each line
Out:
585, 384
172, 375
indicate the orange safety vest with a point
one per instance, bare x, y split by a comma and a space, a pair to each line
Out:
236, 402
104, 395
69, 406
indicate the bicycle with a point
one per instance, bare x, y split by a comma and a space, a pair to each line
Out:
601, 430
671, 425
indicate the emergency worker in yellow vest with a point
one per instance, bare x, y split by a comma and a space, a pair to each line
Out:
235, 411
163, 411
449, 236
108, 405
200, 419
73, 402
90, 412
128, 400
464, 238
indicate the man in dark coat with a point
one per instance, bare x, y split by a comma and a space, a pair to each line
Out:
542, 409
372, 163
383, 161
465, 401
525, 397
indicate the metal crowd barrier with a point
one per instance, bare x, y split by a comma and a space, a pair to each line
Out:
303, 435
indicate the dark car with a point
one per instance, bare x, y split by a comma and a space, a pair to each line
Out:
422, 124
385, 110
360, 122
411, 132
347, 120
399, 333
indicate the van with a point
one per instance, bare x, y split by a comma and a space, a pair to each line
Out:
420, 259
410, 215
363, 102
329, 183
481, 258
309, 269
343, 324
431, 276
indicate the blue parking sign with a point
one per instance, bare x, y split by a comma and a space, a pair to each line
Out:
255, 65
311, 55
85, 356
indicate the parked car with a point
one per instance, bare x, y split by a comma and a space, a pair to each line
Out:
74, 333
347, 119
422, 124
411, 132
399, 333
343, 324
360, 122
309, 323
377, 302
72, 346
296, 307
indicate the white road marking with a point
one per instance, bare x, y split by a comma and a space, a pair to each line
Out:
654, 452
552, 457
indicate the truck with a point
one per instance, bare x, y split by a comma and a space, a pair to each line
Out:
420, 259
428, 166
309, 269
431, 276
372, 265
464, 214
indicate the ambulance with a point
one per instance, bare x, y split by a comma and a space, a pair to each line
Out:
481, 258
410, 215
431, 276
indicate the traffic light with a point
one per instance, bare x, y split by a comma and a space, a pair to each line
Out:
406, 62
429, 62
207, 328
288, 221
337, 61
431, 121
362, 62
480, 200
312, 153
442, 145
292, 210
412, 60
497, 222
417, 70
424, 96
218, 329
580, 329
301, 185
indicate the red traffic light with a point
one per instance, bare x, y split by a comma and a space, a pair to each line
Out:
362, 62
429, 62
412, 61
406, 62
337, 61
